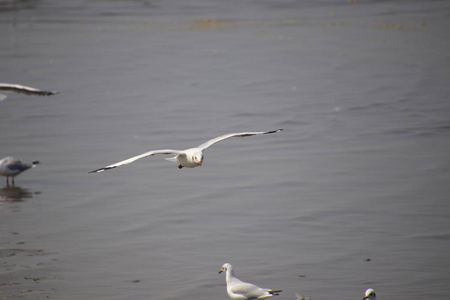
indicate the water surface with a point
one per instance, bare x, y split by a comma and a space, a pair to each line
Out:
352, 194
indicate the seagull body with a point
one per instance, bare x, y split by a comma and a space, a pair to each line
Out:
189, 158
370, 295
240, 290
24, 90
11, 167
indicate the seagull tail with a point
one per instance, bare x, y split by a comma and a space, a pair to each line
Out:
174, 159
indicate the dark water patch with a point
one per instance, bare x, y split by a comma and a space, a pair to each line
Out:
15, 194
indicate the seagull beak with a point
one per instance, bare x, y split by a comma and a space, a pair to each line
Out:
200, 162
221, 271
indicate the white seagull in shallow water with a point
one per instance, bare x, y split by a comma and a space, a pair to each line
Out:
370, 295
240, 290
11, 167
189, 158
23, 89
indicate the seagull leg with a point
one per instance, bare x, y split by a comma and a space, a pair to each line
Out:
7, 180
180, 166
12, 179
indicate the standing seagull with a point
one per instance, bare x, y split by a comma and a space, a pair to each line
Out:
23, 89
370, 295
189, 158
240, 290
11, 167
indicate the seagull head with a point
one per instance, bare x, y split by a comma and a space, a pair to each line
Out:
198, 158
370, 294
225, 267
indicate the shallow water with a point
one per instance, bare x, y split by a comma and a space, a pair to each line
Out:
352, 194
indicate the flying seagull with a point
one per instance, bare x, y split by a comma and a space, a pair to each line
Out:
240, 290
11, 167
189, 158
24, 90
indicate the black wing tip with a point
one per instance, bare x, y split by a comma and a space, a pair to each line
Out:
274, 131
42, 93
275, 292
35, 162
26, 90
100, 170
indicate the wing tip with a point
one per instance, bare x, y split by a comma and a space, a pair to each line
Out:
275, 293
42, 93
26, 89
273, 131
101, 170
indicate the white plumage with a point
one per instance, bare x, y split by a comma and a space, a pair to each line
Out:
11, 167
370, 295
240, 290
189, 158
24, 90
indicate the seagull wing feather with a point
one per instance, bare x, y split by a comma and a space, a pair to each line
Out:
25, 89
230, 135
247, 289
134, 158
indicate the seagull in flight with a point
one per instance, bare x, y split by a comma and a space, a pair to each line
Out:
239, 290
11, 167
189, 158
24, 90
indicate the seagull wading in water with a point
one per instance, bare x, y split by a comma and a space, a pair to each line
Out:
240, 290
11, 167
189, 158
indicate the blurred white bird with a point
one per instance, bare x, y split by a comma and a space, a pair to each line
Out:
240, 290
189, 158
300, 297
23, 89
370, 294
11, 167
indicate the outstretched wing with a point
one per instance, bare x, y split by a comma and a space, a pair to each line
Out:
25, 89
132, 159
230, 135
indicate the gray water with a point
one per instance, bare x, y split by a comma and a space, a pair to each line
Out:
352, 194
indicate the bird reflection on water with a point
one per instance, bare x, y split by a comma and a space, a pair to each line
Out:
15, 194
